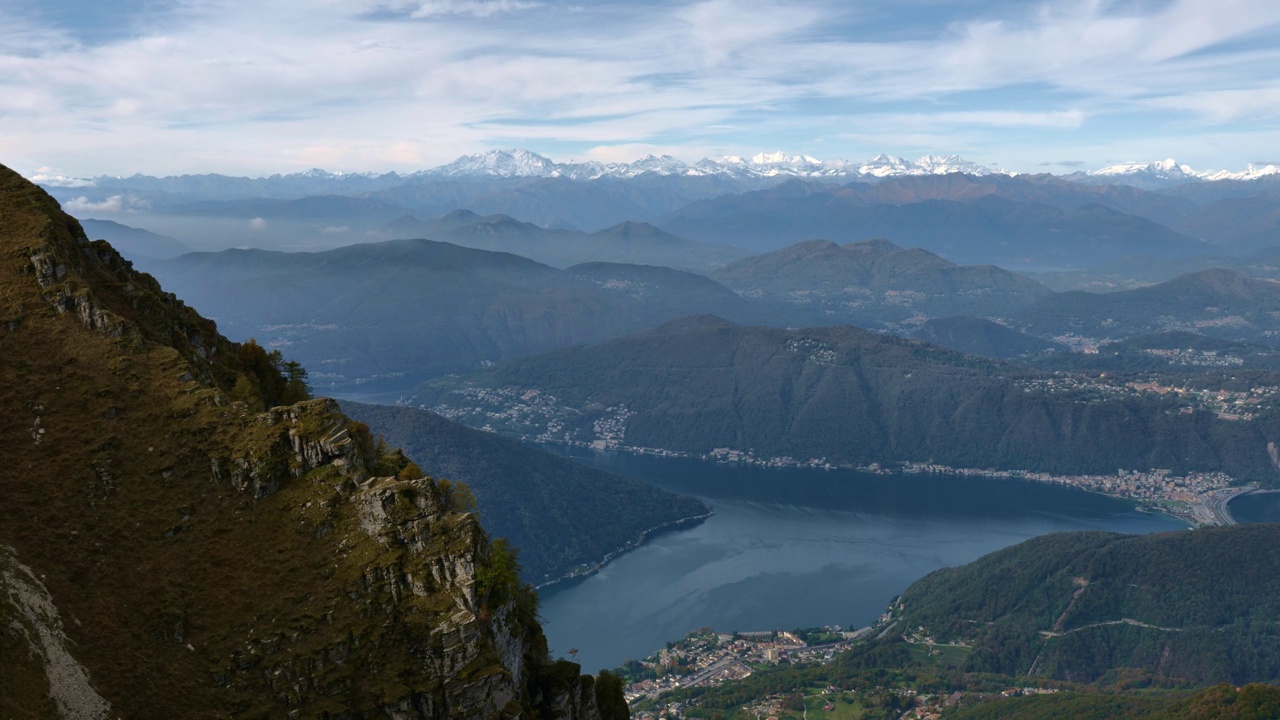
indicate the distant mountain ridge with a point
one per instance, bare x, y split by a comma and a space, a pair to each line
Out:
1217, 302
1007, 221
516, 162
876, 279
627, 242
411, 309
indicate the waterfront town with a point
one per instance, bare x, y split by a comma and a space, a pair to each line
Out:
705, 658
1200, 499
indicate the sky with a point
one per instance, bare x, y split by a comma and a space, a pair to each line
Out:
254, 88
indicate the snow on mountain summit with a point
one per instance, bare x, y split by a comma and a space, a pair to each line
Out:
522, 163
499, 163
1169, 170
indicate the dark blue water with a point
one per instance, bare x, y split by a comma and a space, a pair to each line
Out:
1262, 508
799, 548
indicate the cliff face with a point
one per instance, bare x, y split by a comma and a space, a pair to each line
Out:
165, 552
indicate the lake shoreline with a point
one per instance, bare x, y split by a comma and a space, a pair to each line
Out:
645, 536
801, 548
1199, 499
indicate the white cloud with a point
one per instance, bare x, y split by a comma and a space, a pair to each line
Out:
257, 224
291, 84
474, 8
1221, 106
113, 204
724, 28
44, 178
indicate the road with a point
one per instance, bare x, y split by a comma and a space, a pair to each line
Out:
704, 675
1218, 505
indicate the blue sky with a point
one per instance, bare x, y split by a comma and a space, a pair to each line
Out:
359, 85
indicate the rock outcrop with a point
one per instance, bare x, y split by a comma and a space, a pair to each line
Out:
166, 551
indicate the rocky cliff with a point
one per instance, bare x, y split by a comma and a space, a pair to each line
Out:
166, 551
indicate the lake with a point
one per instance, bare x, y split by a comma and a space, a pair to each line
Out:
800, 548
1258, 508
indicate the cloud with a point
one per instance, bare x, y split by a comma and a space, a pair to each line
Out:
474, 8
276, 85
1264, 163
1222, 106
48, 180
724, 28
257, 224
327, 229
110, 204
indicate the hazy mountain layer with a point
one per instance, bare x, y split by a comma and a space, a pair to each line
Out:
134, 243
876, 280
1220, 303
629, 242
384, 312
989, 228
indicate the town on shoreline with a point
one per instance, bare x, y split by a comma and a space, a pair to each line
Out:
706, 658
1198, 498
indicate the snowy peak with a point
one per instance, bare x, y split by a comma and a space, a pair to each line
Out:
1168, 171
522, 163
498, 163
883, 166
781, 158
1251, 172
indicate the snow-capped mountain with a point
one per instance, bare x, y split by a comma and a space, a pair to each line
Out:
497, 163
883, 166
1170, 172
522, 163
517, 164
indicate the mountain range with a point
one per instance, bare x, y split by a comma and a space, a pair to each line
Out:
701, 385
959, 211
523, 163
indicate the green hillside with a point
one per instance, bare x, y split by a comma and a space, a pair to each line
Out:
1201, 606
